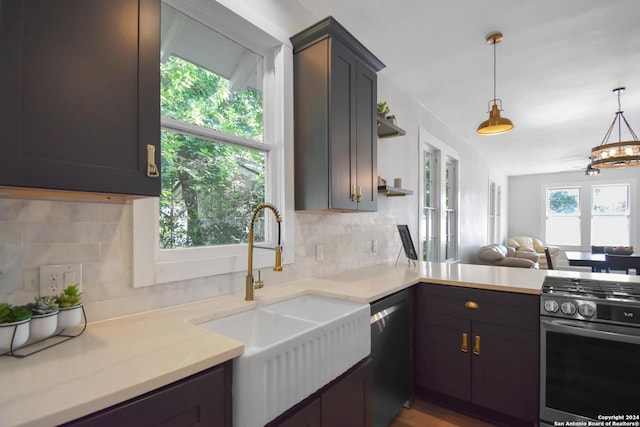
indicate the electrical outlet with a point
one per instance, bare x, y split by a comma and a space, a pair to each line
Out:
54, 278
319, 252
374, 246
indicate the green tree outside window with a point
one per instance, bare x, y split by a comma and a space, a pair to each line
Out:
209, 187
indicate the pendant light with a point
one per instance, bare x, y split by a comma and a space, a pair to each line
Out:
617, 154
496, 124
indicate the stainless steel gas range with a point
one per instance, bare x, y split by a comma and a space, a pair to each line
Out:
590, 352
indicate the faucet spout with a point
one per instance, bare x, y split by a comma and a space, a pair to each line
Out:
250, 282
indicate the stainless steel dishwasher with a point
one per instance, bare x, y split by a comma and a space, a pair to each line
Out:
391, 355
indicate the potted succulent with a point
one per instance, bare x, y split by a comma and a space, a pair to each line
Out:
44, 317
14, 326
70, 307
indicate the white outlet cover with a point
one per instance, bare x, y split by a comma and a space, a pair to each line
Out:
54, 278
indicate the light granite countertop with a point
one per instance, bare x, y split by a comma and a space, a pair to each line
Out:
117, 359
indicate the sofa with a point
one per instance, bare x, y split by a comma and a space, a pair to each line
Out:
531, 244
496, 254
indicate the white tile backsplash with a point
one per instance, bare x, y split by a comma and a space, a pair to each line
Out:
99, 236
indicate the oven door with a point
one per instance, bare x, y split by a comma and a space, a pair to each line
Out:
588, 370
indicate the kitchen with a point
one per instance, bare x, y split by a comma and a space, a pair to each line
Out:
99, 235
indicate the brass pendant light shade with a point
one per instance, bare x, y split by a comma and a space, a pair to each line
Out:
496, 124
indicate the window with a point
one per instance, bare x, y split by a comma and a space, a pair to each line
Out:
610, 220
429, 210
563, 216
226, 96
438, 225
586, 215
495, 212
451, 201
213, 167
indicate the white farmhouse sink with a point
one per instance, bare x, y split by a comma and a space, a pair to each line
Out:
292, 349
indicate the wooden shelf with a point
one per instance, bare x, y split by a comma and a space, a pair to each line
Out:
393, 191
388, 129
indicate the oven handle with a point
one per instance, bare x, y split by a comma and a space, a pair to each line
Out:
612, 333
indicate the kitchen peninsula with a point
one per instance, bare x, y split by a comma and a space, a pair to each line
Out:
119, 359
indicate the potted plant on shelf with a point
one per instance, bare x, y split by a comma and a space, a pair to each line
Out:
68, 301
383, 109
44, 317
14, 326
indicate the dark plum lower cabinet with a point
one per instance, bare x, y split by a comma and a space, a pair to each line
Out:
478, 351
203, 399
345, 402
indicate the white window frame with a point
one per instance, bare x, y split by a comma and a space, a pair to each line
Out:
452, 165
152, 265
494, 226
578, 217
585, 208
425, 233
627, 215
441, 152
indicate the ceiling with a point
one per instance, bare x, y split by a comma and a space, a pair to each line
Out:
556, 69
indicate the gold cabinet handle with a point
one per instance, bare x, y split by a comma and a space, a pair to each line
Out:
471, 304
152, 169
465, 344
359, 194
476, 347
354, 198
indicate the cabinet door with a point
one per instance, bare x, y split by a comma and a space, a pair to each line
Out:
342, 129
308, 416
366, 138
80, 94
348, 401
442, 363
201, 400
505, 372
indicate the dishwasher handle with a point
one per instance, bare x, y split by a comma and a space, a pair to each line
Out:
376, 317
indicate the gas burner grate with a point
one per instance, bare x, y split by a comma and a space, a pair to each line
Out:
600, 289
621, 291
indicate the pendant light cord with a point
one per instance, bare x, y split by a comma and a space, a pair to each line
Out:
494, 71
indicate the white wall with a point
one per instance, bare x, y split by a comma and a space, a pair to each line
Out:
527, 198
37, 232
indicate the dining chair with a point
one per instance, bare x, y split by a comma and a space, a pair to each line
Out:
623, 262
549, 261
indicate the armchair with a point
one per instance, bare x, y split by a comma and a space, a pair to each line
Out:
496, 254
531, 244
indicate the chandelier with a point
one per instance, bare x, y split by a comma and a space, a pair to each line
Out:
617, 154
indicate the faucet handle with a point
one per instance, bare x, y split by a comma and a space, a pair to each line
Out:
259, 284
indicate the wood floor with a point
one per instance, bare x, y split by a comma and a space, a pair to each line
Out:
424, 414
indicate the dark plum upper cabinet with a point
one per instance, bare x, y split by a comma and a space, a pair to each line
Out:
335, 96
80, 95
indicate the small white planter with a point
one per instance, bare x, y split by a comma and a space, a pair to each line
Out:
43, 325
21, 335
70, 317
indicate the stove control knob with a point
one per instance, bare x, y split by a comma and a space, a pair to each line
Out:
568, 308
551, 306
586, 310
